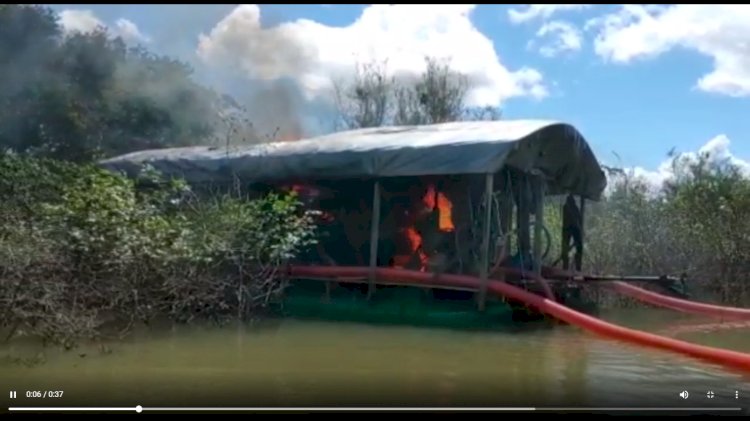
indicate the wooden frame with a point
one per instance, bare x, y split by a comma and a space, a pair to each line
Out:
487, 223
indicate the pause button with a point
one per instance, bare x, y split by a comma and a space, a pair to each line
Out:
12, 394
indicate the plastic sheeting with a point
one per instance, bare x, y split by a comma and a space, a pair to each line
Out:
556, 149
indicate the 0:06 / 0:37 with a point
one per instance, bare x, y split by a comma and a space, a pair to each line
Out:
44, 394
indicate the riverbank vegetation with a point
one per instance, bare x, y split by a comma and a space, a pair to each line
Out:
698, 224
84, 251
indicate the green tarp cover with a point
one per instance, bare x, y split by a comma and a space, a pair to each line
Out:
556, 149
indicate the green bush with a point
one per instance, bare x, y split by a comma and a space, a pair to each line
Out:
98, 251
710, 215
699, 224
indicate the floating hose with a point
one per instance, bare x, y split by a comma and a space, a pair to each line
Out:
720, 356
680, 329
660, 300
678, 304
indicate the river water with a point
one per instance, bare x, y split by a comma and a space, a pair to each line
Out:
293, 362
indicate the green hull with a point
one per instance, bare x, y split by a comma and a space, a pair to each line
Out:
414, 306
394, 305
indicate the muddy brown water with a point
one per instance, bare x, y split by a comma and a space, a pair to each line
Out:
310, 363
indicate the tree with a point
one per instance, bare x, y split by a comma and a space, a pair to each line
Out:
367, 102
84, 96
438, 95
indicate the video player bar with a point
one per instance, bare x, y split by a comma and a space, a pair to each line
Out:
140, 409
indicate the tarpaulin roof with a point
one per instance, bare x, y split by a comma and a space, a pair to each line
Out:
556, 149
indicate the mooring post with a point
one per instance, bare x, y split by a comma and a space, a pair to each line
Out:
538, 222
485, 265
374, 237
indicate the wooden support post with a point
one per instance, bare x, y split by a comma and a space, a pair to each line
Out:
506, 218
538, 185
523, 219
583, 227
583, 215
374, 237
485, 264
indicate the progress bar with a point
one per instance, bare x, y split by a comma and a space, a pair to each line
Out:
140, 409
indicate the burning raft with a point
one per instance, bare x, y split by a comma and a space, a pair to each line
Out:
455, 197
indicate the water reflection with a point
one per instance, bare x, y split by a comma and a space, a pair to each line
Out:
572, 359
310, 363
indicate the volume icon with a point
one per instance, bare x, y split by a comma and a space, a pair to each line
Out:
684, 394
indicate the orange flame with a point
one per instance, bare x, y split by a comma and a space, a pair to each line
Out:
431, 200
445, 208
416, 243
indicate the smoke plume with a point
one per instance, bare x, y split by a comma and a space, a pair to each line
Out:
256, 66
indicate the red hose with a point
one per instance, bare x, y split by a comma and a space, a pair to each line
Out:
661, 300
716, 355
497, 269
679, 329
680, 304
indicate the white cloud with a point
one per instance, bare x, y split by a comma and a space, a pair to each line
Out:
86, 21
721, 32
79, 21
312, 53
129, 31
558, 37
716, 151
541, 11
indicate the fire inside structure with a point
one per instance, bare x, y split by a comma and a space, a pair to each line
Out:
455, 198
412, 225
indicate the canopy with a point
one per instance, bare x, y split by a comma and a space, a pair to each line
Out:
555, 149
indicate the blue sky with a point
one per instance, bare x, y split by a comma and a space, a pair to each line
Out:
635, 80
